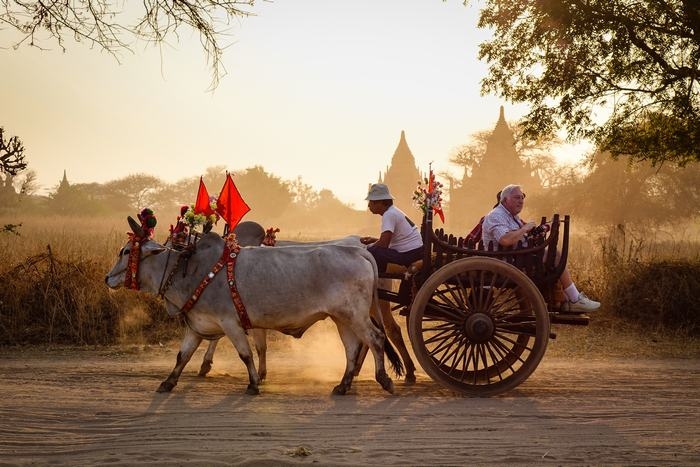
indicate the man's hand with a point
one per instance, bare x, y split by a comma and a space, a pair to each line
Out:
367, 240
514, 236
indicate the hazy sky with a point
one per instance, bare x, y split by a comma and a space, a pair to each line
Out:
316, 88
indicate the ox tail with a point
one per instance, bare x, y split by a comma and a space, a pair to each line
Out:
394, 358
392, 354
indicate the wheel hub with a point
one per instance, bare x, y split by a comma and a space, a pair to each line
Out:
479, 327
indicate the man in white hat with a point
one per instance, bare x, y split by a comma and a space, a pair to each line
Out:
400, 241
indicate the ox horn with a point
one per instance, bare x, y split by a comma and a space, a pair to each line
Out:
135, 227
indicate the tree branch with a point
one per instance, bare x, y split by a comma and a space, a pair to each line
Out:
104, 24
11, 155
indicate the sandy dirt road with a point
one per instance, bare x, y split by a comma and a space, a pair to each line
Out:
99, 407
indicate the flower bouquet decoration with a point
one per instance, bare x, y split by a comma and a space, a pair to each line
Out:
195, 218
201, 213
428, 195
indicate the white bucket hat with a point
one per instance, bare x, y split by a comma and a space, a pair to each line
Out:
377, 192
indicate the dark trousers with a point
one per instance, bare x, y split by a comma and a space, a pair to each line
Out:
385, 255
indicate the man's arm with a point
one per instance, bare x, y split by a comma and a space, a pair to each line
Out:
384, 239
514, 236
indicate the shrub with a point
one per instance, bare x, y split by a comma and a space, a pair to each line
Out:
48, 300
659, 294
647, 284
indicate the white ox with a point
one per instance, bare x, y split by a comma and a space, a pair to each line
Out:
286, 289
249, 233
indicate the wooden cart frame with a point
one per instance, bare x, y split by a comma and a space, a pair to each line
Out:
479, 318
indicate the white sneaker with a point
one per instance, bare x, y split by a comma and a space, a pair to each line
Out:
583, 305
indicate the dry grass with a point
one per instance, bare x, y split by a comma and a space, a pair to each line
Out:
648, 283
610, 336
52, 287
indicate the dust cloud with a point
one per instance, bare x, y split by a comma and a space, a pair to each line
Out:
317, 357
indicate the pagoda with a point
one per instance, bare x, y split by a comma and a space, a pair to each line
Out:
402, 177
500, 166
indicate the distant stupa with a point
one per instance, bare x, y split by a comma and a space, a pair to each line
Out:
64, 185
402, 176
501, 165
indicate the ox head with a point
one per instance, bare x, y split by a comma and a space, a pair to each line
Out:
127, 260
249, 233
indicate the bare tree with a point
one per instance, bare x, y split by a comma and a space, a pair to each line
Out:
30, 184
115, 26
303, 194
137, 189
469, 155
11, 154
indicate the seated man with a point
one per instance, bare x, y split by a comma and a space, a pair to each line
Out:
400, 241
502, 226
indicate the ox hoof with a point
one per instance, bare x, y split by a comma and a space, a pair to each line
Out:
263, 375
411, 379
387, 384
252, 390
205, 368
340, 390
165, 386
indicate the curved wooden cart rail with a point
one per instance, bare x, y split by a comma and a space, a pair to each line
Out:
479, 326
540, 262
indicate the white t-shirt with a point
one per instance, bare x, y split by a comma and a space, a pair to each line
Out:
405, 234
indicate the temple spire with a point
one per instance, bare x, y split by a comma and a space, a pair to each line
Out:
500, 165
403, 155
402, 175
64, 181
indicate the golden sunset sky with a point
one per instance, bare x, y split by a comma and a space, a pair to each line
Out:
318, 89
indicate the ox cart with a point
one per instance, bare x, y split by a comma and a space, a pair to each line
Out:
479, 318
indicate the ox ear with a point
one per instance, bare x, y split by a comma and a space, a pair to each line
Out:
135, 227
153, 248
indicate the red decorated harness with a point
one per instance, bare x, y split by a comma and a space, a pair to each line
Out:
270, 237
228, 259
131, 278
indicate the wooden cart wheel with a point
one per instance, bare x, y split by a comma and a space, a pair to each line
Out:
479, 326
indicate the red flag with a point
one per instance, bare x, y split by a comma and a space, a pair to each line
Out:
230, 204
437, 202
202, 205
